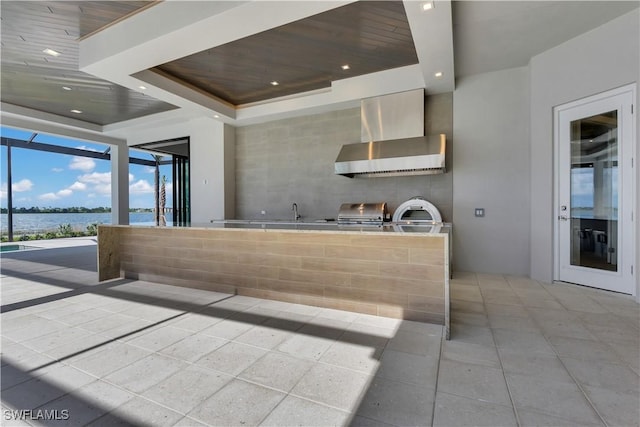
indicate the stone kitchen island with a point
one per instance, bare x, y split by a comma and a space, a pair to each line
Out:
399, 271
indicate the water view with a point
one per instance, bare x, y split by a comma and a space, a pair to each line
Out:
33, 223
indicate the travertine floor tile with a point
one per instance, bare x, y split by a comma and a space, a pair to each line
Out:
541, 365
79, 411
582, 349
300, 412
309, 347
277, 370
530, 418
353, 356
332, 385
408, 368
604, 375
470, 353
187, 388
397, 403
32, 394
227, 329
189, 422
360, 421
459, 411
193, 347
523, 342
195, 321
107, 359
160, 338
422, 345
232, 358
238, 403
138, 411
617, 409
555, 398
473, 381
519, 323
142, 353
144, 373
104, 395
479, 335
264, 337
107, 322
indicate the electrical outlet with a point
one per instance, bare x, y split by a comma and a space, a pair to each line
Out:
479, 212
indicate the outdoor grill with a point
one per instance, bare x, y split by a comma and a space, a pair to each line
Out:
363, 213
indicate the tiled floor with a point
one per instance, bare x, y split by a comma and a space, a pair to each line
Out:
137, 353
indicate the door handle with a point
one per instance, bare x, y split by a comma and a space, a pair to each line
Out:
563, 217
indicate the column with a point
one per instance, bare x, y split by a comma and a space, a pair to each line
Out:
120, 184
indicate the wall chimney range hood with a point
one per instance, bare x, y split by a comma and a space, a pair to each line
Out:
393, 141
397, 157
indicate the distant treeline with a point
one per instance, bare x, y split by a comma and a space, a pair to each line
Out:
74, 209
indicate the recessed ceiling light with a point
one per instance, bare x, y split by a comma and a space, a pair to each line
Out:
51, 52
438, 74
428, 5
76, 111
142, 87
66, 88
274, 83
345, 67
215, 116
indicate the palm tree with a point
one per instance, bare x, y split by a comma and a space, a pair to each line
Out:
163, 200
156, 180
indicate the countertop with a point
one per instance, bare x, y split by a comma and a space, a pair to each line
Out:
320, 225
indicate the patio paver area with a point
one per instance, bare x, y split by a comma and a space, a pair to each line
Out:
128, 352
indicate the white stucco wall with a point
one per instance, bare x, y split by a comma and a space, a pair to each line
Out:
604, 58
119, 184
211, 147
491, 171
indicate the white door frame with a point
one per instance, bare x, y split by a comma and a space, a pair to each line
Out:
626, 249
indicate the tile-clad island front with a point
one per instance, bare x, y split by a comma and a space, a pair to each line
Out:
391, 271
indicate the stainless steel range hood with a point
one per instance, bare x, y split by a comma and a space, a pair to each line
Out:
400, 157
393, 141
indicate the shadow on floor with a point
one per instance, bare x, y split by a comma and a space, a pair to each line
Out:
79, 257
381, 399
50, 402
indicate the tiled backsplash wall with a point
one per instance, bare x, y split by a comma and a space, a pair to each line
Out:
286, 161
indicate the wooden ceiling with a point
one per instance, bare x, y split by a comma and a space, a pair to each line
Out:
33, 79
369, 36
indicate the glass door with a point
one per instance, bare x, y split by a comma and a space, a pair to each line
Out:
595, 236
181, 191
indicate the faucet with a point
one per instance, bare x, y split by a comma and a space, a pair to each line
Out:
296, 215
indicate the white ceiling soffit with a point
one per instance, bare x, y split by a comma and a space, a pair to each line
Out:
38, 121
432, 32
495, 35
344, 93
123, 52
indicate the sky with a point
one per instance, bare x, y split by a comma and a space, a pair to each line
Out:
45, 179
582, 186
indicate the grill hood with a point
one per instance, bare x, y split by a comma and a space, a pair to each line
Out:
393, 141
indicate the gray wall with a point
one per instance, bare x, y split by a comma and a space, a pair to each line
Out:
492, 172
229, 137
602, 59
292, 160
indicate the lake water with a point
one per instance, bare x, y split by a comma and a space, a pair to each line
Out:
43, 222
